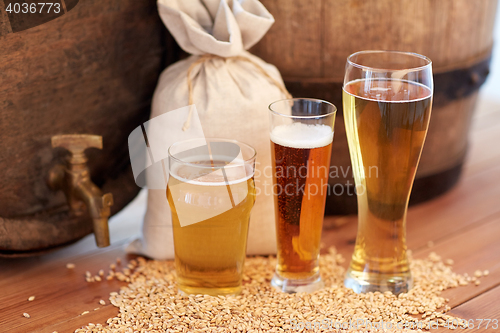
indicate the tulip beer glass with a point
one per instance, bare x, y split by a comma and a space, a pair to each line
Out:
387, 99
211, 192
301, 144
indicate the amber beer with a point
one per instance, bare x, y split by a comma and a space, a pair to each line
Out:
301, 152
210, 217
301, 180
386, 123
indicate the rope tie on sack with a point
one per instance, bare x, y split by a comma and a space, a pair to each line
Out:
206, 57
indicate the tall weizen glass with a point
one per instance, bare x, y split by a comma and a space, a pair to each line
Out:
301, 145
387, 97
211, 193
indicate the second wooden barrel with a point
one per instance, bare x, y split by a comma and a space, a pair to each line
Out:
311, 40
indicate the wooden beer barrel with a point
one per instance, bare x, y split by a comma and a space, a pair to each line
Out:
310, 41
91, 71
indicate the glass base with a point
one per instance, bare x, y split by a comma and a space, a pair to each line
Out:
370, 282
297, 285
231, 291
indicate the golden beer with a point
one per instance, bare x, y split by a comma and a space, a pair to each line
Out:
301, 147
386, 124
210, 217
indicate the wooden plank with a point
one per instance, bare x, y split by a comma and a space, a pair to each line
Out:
472, 249
343, 238
485, 120
481, 307
71, 324
482, 251
11, 268
60, 293
489, 102
483, 152
475, 198
122, 227
60, 285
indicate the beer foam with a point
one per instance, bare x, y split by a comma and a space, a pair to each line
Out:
299, 135
235, 172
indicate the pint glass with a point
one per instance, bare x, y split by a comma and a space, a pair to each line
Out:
301, 143
211, 192
387, 99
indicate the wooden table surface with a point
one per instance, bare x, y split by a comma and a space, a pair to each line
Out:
463, 225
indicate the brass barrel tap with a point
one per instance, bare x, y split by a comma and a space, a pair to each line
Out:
74, 179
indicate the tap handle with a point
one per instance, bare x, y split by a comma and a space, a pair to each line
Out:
76, 145
107, 200
101, 228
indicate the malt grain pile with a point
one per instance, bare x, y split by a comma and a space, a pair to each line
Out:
150, 303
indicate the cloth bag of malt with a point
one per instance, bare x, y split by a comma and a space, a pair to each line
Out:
231, 90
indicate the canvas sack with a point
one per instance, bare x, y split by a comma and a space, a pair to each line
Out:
231, 90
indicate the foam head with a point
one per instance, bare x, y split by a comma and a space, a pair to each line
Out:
299, 135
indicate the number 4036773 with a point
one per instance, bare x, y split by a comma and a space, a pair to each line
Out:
472, 323
32, 8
